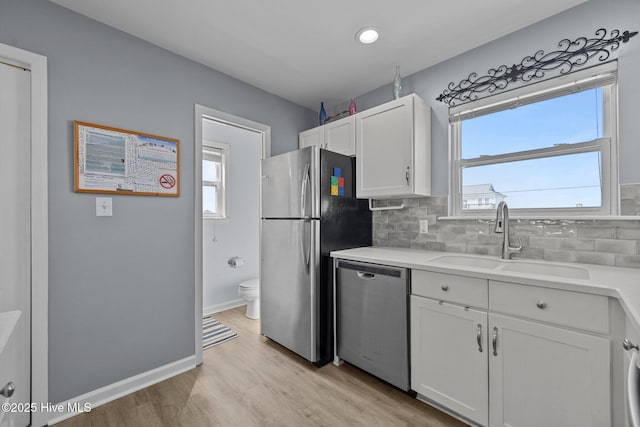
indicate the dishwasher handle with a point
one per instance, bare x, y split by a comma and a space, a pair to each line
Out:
370, 271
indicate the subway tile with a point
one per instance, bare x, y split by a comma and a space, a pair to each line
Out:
490, 239
410, 203
632, 261
626, 247
381, 235
544, 242
628, 233
564, 230
559, 256
528, 229
456, 247
436, 246
595, 258
596, 232
577, 244
529, 253
412, 226
418, 245
483, 250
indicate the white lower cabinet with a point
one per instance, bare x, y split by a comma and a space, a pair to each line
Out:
449, 356
543, 375
501, 370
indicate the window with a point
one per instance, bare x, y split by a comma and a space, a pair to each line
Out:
214, 165
546, 148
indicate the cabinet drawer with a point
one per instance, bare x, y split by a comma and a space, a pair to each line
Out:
469, 291
567, 308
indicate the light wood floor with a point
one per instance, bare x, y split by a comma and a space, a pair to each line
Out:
252, 381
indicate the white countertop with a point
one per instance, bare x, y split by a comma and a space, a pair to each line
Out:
617, 282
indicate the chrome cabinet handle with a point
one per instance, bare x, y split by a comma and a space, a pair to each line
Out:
444, 287
495, 341
8, 389
407, 175
479, 337
628, 345
541, 305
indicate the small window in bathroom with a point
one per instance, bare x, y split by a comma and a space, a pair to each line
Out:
214, 168
551, 148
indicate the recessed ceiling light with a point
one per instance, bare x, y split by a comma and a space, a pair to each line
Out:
367, 35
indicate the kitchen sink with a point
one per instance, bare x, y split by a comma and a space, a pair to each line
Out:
546, 269
467, 261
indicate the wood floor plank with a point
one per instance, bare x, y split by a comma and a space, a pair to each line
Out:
252, 381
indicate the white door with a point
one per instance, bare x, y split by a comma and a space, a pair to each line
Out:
15, 237
449, 356
547, 376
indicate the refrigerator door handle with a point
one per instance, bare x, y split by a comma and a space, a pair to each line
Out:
303, 191
304, 246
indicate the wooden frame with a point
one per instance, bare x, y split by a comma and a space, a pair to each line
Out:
136, 163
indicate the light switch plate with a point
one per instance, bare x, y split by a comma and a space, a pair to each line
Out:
104, 206
424, 226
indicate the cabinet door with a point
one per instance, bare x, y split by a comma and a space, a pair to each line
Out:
384, 150
449, 357
547, 376
311, 137
340, 136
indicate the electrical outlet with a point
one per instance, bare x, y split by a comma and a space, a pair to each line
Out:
424, 226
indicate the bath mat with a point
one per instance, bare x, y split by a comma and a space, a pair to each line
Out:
214, 332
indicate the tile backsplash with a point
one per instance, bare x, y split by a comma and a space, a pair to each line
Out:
607, 242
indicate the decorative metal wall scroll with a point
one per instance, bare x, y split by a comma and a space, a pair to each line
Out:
569, 55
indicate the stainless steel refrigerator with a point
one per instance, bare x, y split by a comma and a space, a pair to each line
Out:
308, 210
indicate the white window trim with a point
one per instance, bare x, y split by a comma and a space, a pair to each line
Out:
224, 180
607, 146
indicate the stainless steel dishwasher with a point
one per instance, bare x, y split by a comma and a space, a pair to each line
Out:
371, 319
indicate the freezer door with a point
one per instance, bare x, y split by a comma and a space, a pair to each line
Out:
289, 284
289, 184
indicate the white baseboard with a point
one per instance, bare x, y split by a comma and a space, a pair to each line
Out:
222, 307
106, 394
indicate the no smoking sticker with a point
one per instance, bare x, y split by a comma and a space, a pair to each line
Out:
167, 181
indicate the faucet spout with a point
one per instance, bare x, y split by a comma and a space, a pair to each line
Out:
502, 226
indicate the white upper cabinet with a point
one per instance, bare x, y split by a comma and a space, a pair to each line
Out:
393, 149
338, 136
311, 137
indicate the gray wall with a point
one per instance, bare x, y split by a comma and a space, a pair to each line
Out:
582, 20
239, 234
121, 288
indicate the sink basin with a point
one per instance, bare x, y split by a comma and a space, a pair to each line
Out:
546, 269
467, 261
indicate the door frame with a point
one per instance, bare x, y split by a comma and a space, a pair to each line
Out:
39, 225
201, 113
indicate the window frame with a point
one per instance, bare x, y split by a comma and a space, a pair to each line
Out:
603, 76
222, 186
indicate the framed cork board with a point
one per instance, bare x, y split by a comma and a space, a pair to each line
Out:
116, 161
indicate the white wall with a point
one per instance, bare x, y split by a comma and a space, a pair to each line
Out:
239, 234
121, 288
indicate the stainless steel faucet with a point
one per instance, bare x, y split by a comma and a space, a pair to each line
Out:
502, 226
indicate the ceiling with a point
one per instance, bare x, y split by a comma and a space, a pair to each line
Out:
305, 51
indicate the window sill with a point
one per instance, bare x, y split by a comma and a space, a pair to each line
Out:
209, 219
545, 217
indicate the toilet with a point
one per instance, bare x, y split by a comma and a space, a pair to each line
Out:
249, 290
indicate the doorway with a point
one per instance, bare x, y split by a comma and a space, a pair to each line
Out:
23, 235
230, 138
